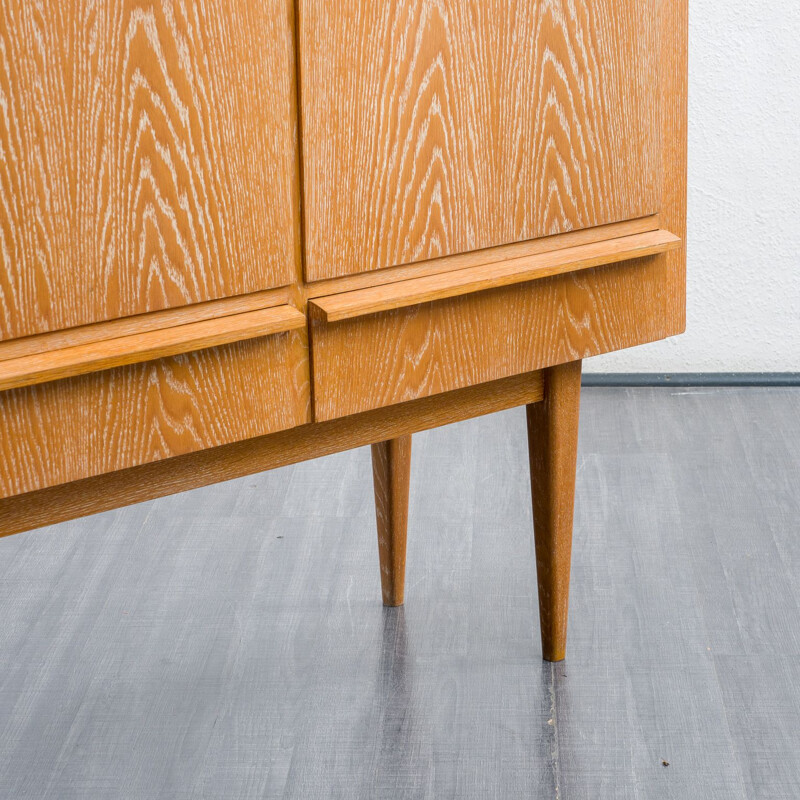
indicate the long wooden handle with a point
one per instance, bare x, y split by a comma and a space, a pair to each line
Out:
137, 347
347, 305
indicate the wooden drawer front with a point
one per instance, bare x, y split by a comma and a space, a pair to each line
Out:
64, 430
147, 157
390, 357
436, 128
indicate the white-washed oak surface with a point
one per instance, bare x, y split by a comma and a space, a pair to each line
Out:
432, 127
91, 424
147, 156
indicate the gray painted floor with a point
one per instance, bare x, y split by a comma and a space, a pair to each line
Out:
230, 642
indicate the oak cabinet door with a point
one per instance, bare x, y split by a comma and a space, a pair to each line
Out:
98, 422
432, 127
147, 156
396, 356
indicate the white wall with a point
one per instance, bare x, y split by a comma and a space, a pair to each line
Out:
744, 196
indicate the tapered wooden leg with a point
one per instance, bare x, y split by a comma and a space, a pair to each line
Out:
391, 472
553, 449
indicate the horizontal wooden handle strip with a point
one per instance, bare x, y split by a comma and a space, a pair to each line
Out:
347, 305
135, 348
140, 323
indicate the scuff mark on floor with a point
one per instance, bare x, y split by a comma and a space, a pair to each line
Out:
555, 761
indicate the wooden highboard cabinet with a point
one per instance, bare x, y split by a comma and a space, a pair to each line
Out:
236, 238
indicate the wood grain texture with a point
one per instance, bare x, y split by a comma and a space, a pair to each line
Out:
75, 428
133, 349
396, 356
391, 474
399, 355
433, 127
148, 157
552, 455
674, 87
223, 463
387, 297
487, 255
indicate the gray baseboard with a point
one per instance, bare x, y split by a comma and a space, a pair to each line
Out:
691, 379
